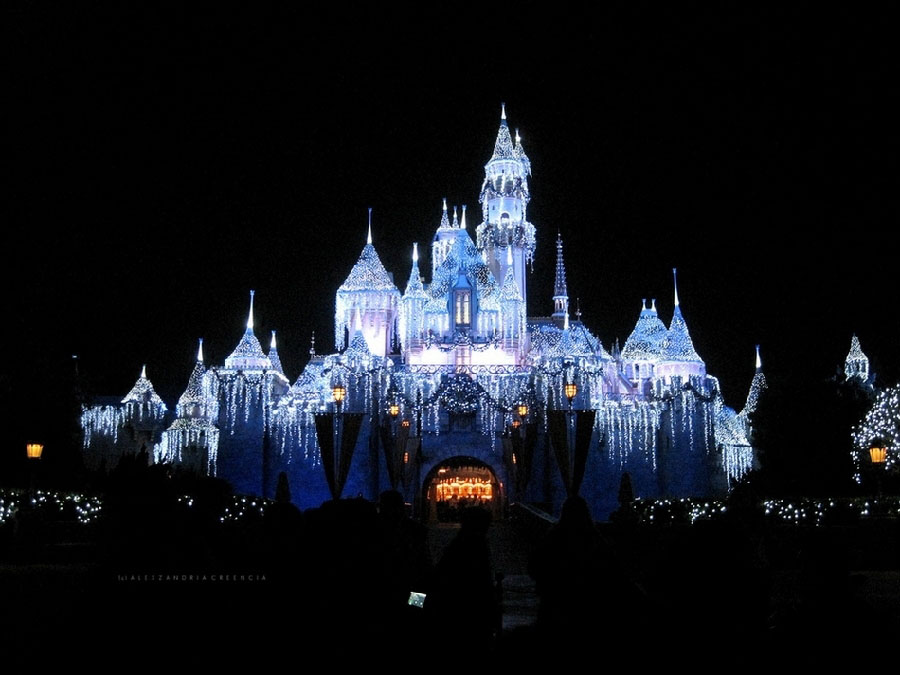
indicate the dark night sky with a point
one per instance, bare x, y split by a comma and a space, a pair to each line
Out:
163, 165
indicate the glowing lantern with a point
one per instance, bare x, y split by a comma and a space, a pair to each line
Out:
516, 424
34, 450
571, 390
405, 424
394, 409
523, 410
878, 454
338, 392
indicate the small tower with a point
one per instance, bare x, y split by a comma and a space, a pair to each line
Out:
643, 348
248, 356
504, 200
273, 356
757, 386
412, 308
443, 239
560, 292
367, 302
856, 365
678, 355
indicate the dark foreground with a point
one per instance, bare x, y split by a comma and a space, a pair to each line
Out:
179, 591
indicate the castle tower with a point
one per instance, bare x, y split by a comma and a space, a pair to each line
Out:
412, 308
678, 355
504, 199
443, 239
644, 347
560, 292
248, 355
857, 363
757, 386
368, 302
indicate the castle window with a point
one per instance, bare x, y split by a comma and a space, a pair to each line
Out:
463, 302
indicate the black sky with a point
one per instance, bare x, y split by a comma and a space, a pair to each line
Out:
163, 165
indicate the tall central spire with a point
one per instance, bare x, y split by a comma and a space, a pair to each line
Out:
560, 291
250, 317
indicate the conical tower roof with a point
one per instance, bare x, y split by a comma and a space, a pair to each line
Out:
414, 287
646, 340
143, 391
273, 356
248, 355
503, 146
757, 386
368, 274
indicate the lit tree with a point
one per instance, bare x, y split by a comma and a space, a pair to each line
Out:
881, 423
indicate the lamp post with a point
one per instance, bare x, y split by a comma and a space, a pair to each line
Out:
878, 457
571, 391
33, 452
338, 393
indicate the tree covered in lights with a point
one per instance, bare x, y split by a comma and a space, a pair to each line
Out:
881, 427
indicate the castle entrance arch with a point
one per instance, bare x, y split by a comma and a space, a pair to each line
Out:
460, 482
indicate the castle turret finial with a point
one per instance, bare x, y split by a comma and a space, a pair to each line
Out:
200, 351
560, 290
758, 360
653, 305
415, 255
272, 344
312, 344
250, 317
462, 223
455, 219
518, 138
369, 236
503, 114
144, 371
675, 280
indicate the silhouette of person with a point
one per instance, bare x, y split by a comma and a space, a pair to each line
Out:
461, 601
580, 585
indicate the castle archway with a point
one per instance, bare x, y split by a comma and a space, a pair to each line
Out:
460, 482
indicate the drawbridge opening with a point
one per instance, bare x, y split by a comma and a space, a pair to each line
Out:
458, 483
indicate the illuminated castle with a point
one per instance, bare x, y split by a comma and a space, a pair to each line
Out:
453, 373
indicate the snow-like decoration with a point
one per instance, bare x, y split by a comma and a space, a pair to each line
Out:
646, 340
186, 437
856, 365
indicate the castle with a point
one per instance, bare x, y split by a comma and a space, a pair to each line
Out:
449, 390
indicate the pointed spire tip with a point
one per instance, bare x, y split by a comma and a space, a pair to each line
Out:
200, 351
144, 371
